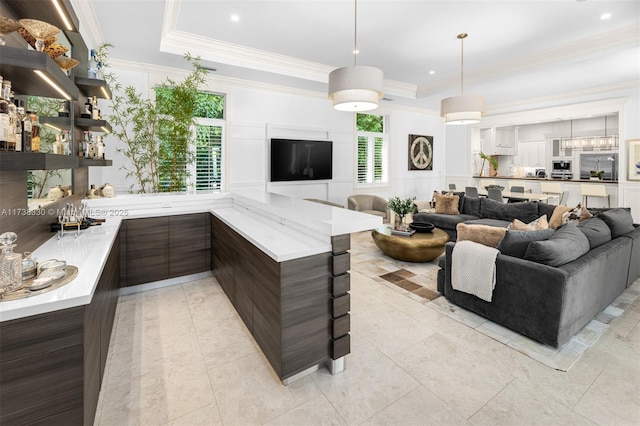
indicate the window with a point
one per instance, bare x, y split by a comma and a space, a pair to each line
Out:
203, 170
372, 157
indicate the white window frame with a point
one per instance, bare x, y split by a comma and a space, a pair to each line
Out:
192, 168
371, 137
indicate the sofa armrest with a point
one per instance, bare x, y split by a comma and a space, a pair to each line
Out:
380, 204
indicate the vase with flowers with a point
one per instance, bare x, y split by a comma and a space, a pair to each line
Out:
401, 208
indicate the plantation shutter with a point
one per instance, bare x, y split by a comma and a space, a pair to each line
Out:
208, 155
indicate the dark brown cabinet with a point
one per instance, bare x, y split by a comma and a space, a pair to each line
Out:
147, 250
189, 244
285, 305
51, 364
164, 247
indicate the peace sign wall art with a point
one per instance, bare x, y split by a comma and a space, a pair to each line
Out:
420, 152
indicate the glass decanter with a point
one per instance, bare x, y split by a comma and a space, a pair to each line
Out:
10, 263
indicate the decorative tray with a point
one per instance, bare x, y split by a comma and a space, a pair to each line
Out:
422, 226
29, 288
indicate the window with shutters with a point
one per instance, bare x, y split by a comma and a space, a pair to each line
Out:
372, 156
205, 172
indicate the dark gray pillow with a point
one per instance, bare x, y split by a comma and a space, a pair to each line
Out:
471, 206
618, 220
565, 245
596, 231
515, 243
526, 212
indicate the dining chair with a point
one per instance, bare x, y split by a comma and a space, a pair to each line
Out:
471, 191
553, 188
590, 190
495, 194
517, 199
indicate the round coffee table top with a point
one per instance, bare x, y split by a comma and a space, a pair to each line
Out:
420, 247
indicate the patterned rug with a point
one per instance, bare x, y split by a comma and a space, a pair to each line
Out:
418, 281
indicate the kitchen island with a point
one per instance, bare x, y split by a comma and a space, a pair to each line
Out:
283, 263
570, 187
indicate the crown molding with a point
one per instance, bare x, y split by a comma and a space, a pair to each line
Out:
592, 45
564, 97
90, 28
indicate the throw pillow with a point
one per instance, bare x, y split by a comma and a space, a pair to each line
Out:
565, 245
515, 242
556, 217
538, 224
482, 234
447, 204
576, 214
596, 231
618, 220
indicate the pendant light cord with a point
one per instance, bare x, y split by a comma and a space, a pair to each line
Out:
462, 37
355, 33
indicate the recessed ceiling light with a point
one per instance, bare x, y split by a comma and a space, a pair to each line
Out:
235, 17
431, 72
605, 16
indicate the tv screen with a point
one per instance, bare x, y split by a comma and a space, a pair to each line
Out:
293, 159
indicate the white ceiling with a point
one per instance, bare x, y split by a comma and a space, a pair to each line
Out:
515, 50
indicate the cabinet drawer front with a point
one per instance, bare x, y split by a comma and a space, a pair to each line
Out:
147, 269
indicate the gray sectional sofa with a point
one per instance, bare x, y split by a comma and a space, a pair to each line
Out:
544, 294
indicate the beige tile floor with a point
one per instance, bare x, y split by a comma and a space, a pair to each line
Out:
182, 356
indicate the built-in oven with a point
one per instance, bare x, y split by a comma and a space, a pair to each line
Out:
561, 169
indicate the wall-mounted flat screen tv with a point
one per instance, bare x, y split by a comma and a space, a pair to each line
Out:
294, 159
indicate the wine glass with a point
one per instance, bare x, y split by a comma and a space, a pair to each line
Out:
7, 26
40, 30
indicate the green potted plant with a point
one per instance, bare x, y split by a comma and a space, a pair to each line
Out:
597, 173
156, 132
401, 208
493, 162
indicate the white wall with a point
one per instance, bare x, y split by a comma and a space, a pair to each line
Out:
256, 114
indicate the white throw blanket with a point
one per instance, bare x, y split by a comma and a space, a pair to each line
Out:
473, 269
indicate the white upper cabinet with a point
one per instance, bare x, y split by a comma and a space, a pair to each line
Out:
498, 140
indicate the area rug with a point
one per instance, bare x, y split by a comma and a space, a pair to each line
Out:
418, 281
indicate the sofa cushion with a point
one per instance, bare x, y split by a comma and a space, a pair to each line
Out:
565, 245
471, 206
618, 220
447, 204
596, 231
491, 209
482, 234
442, 221
488, 222
538, 224
515, 242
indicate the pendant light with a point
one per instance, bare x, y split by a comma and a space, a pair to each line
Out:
463, 109
356, 88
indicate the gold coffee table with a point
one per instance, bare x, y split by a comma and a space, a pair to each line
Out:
421, 247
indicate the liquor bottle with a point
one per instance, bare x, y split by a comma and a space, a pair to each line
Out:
57, 145
10, 263
100, 148
26, 132
5, 126
92, 148
66, 142
6, 90
13, 118
100, 71
95, 113
35, 132
93, 65
83, 145
18, 130
88, 109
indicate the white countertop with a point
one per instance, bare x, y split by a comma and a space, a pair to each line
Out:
282, 227
88, 252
